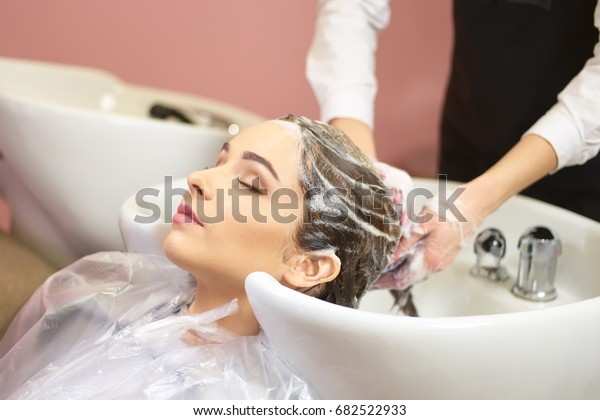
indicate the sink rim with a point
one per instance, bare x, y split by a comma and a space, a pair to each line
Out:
496, 317
119, 89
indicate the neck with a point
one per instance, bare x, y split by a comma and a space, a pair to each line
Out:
208, 297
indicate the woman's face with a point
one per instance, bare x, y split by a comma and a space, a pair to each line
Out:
242, 213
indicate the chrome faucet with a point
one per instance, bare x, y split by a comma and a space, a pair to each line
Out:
490, 247
539, 249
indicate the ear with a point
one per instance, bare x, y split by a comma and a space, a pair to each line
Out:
309, 270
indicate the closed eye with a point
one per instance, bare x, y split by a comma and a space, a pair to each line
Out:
253, 186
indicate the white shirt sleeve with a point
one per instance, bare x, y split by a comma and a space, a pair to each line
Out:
572, 125
341, 61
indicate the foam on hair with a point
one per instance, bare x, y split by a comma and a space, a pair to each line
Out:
291, 128
347, 208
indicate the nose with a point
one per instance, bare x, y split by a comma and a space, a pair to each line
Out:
199, 183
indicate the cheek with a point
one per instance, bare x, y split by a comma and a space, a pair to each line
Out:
264, 241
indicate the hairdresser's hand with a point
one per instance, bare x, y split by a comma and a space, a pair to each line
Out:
445, 227
431, 242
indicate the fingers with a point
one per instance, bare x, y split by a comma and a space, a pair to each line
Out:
429, 243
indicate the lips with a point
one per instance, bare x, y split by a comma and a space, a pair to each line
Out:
185, 214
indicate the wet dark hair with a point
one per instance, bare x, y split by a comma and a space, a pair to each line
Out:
347, 209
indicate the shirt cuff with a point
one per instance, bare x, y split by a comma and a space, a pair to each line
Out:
356, 103
558, 128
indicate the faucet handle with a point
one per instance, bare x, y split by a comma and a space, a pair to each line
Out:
539, 249
539, 239
490, 248
490, 242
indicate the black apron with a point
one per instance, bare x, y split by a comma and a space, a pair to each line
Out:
511, 58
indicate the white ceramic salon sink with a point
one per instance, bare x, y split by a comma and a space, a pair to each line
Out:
455, 292
75, 142
473, 340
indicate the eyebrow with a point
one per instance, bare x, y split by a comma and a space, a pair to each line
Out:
258, 158
254, 157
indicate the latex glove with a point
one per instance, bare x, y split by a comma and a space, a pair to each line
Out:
430, 243
400, 183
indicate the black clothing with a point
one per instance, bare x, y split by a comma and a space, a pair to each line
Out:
511, 58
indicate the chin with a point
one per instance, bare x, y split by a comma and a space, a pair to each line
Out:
174, 250
183, 253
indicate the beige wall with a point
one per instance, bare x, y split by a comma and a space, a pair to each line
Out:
246, 52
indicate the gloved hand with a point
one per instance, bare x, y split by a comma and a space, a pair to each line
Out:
430, 242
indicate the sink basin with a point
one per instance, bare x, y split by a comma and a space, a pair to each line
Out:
454, 292
474, 339
75, 142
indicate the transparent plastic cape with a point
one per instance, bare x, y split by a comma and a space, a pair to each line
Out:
115, 326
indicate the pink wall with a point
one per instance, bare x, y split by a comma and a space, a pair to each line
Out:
249, 53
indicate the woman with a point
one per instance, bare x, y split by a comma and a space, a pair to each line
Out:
291, 197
